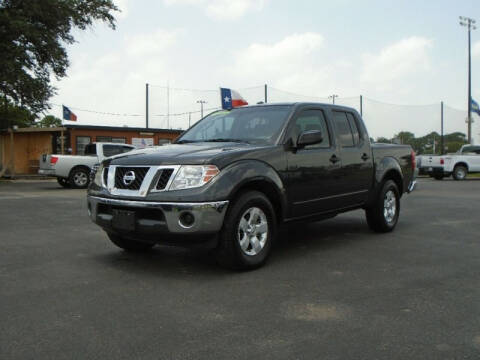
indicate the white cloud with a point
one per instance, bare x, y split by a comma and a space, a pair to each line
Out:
151, 43
476, 50
395, 62
223, 9
293, 62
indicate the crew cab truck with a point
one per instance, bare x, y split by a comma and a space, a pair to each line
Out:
231, 179
74, 170
466, 160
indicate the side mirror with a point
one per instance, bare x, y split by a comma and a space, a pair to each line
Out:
309, 137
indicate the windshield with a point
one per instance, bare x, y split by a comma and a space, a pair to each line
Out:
259, 124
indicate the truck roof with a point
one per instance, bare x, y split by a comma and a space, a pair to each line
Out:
301, 103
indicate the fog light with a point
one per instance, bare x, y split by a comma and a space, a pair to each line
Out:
186, 220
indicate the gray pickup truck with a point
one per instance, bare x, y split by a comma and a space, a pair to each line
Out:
231, 179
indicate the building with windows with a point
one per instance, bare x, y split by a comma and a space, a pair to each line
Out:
20, 149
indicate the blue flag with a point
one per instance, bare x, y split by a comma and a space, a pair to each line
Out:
475, 107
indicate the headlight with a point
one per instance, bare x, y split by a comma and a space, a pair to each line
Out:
98, 175
192, 176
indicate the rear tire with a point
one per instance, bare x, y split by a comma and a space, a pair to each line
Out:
383, 215
129, 245
79, 178
460, 172
248, 232
63, 182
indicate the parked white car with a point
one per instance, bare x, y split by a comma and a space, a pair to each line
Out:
458, 165
74, 170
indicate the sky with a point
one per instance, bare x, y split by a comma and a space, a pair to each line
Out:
408, 53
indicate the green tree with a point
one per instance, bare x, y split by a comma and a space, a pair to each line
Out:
16, 115
33, 35
382, 139
50, 121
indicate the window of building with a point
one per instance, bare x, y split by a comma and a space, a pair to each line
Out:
112, 139
312, 120
81, 142
164, 141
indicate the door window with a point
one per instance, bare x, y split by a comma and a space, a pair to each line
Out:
344, 132
312, 120
354, 128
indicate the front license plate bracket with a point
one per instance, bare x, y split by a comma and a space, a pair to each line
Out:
123, 219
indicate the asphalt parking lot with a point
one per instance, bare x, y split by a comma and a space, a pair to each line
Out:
331, 290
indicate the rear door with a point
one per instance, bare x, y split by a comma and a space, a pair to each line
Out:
312, 175
356, 158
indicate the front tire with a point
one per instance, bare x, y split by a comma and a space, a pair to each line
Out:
79, 178
248, 232
383, 215
129, 245
460, 172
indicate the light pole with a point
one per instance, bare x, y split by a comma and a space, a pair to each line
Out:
469, 23
201, 102
333, 98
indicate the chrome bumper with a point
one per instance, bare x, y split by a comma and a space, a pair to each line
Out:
208, 216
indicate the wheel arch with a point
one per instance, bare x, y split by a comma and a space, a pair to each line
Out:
268, 188
86, 167
461, 163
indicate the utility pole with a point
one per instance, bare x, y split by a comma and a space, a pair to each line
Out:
442, 145
146, 105
266, 94
201, 102
168, 104
189, 120
333, 98
361, 105
469, 23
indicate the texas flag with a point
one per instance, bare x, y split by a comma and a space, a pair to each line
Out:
474, 106
68, 114
231, 99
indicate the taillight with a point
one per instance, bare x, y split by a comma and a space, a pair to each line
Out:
414, 162
53, 160
442, 161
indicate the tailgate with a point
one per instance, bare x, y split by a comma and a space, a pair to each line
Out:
45, 162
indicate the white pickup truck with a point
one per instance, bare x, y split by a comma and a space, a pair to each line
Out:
458, 165
74, 170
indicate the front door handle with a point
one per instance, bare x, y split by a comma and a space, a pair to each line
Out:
334, 159
365, 157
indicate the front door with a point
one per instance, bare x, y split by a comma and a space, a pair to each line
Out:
312, 175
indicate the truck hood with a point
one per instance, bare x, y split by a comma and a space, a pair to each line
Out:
186, 154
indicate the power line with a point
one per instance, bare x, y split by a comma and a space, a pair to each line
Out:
98, 112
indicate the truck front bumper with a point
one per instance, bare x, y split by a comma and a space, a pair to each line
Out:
157, 221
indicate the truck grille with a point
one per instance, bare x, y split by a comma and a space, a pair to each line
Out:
165, 175
130, 178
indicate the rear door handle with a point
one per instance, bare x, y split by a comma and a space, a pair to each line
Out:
334, 159
365, 157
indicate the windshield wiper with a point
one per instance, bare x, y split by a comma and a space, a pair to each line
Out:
226, 140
